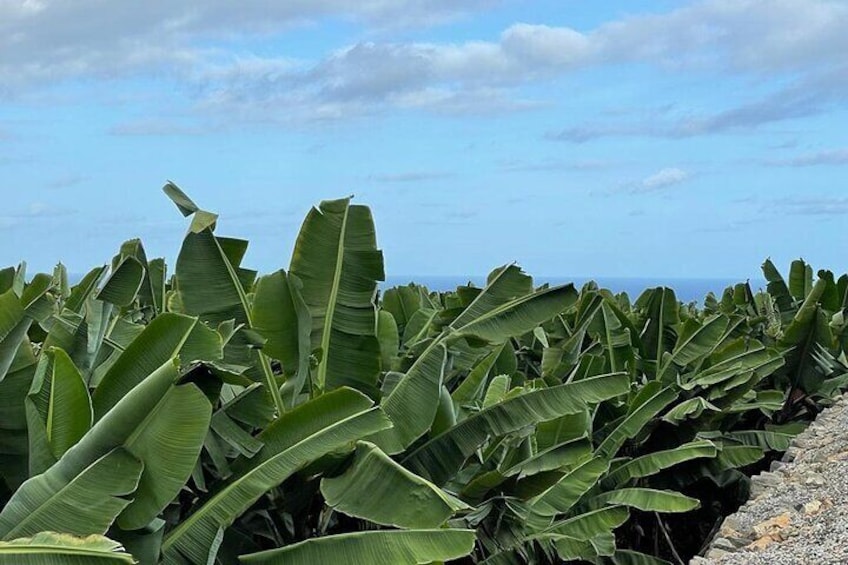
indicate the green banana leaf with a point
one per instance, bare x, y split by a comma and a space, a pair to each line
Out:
83, 290
169, 446
14, 464
401, 302
58, 409
441, 457
696, 341
337, 259
128, 426
331, 422
565, 454
504, 285
649, 500
123, 284
281, 316
211, 286
653, 463
808, 330
516, 317
663, 312
49, 548
590, 524
564, 494
472, 386
398, 547
776, 286
160, 341
387, 334
412, 404
639, 416
16, 317
373, 478
800, 279
86, 505
569, 548
615, 336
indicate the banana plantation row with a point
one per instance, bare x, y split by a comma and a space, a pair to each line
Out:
216, 416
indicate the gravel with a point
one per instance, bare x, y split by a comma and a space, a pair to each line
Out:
798, 512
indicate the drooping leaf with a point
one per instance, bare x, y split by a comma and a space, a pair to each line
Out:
169, 445
373, 478
639, 417
398, 547
298, 437
85, 505
560, 497
127, 419
652, 463
441, 457
649, 500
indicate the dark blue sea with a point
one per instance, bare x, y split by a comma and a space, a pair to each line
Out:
687, 290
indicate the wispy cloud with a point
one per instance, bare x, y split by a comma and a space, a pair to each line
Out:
159, 127
837, 157
662, 179
814, 206
809, 95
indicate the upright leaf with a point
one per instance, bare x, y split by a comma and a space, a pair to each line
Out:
337, 259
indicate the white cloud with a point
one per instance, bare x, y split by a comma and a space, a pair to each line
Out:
663, 179
47, 41
837, 157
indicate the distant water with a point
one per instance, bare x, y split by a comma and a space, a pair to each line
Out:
687, 290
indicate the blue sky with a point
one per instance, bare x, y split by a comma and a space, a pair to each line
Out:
652, 139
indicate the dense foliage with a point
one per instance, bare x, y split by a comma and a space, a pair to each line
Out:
218, 416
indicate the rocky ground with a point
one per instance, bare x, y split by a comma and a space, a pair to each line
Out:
798, 512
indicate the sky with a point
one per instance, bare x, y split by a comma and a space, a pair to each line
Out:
610, 139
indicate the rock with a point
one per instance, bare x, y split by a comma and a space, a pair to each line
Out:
763, 482
715, 554
723, 543
760, 544
814, 480
812, 507
773, 526
776, 466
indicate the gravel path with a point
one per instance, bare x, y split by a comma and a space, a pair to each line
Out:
798, 512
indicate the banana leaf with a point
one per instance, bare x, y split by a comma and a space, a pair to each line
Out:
337, 259
373, 478
49, 548
329, 423
398, 547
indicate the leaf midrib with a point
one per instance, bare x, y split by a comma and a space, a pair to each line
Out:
331, 304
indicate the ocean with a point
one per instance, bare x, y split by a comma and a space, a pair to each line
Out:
687, 290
